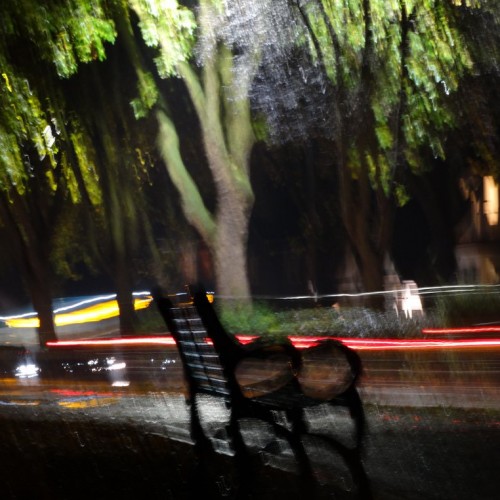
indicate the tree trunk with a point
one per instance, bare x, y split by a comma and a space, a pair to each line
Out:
367, 217
32, 257
228, 139
42, 303
38, 283
37, 271
230, 248
124, 296
371, 268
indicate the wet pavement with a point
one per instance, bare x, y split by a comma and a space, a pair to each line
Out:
433, 432
93, 442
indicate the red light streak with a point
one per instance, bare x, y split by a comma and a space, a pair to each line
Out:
393, 344
73, 393
246, 339
300, 342
470, 329
390, 344
136, 341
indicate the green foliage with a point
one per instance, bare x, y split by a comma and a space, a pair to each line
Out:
148, 94
346, 21
171, 28
353, 322
415, 59
150, 321
467, 308
30, 130
260, 128
251, 320
467, 3
401, 195
454, 309
84, 155
324, 321
396, 64
22, 122
70, 32
48, 140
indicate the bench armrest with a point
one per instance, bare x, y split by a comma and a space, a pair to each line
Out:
261, 348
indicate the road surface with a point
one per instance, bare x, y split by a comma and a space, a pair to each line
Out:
433, 433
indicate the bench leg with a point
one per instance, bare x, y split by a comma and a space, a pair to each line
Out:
243, 461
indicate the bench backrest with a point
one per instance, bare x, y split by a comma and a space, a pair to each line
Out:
202, 363
204, 371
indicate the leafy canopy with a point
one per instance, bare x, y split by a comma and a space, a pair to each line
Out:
413, 56
33, 127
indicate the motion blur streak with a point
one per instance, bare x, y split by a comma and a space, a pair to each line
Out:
73, 393
103, 307
470, 329
299, 342
373, 344
97, 312
131, 341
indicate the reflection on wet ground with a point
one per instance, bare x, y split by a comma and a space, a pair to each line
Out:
76, 437
410, 453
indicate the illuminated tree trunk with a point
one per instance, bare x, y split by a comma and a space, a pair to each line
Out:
228, 140
225, 232
230, 246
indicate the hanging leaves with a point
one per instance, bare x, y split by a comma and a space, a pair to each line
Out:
415, 59
66, 34
23, 128
167, 25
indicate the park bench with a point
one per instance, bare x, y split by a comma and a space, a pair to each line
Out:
214, 365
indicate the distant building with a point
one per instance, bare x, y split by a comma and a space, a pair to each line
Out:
478, 236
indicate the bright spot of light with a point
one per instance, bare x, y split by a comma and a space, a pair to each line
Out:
28, 370
121, 383
490, 197
117, 366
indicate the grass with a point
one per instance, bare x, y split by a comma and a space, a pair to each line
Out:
447, 310
327, 321
467, 309
150, 321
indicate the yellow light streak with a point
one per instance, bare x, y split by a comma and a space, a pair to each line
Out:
88, 403
97, 312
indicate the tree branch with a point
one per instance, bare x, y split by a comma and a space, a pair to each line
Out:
193, 205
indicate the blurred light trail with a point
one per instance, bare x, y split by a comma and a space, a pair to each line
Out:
129, 341
428, 290
462, 330
105, 308
396, 344
299, 342
75, 392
